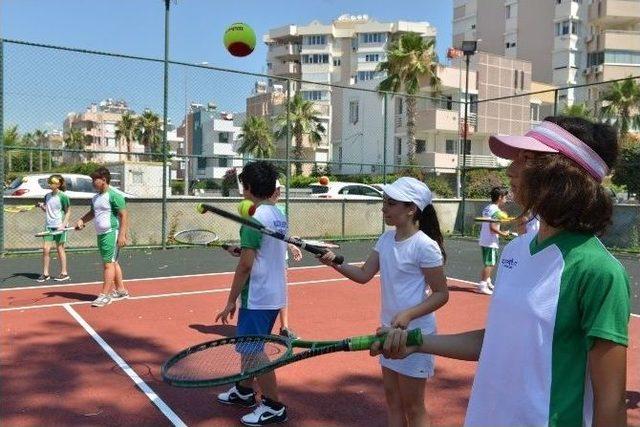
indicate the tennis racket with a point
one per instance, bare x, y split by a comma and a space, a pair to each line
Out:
200, 238
316, 250
54, 232
232, 359
494, 220
18, 208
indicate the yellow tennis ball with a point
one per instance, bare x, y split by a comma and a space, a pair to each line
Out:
239, 39
246, 208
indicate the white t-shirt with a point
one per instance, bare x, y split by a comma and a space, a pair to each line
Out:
56, 207
402, 283
487, 238
266, 286
106, 207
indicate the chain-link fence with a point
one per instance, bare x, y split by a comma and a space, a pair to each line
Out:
68, 111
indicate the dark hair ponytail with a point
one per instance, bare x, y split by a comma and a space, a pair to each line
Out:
430, 226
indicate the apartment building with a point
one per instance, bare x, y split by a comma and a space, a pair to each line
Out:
344, 52
613, 42
98, 123
551, 34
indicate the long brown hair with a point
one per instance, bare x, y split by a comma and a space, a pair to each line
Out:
429, 225
561, 192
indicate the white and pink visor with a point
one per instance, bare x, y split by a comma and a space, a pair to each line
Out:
548, 137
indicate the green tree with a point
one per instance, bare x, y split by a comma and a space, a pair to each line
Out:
621, 105
577, 110
75, 139
303, 121
11, 138
149, 133
41, 137
29, 141
257, 138
126, 131
627, 170
410, 59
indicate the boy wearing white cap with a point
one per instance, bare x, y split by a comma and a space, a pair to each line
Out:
410, 259
554, 348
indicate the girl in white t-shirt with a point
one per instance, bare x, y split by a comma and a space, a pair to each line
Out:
410, 259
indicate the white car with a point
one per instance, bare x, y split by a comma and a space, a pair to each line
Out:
346, 191
78, 186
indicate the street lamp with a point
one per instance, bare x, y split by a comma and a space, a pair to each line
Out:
469, 48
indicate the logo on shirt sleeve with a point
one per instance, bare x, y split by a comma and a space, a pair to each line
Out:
509, 263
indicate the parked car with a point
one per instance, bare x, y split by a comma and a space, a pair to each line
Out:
345, 190
78, 186
379, 187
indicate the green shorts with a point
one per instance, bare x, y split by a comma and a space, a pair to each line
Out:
108, 246
60, 239
489, 256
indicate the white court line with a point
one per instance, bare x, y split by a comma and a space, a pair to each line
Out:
172, 294
151, 395
145, 279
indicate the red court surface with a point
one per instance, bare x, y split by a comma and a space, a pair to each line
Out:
54, 373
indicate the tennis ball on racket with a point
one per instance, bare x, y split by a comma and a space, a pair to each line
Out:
239, 39
324, 180
246, 208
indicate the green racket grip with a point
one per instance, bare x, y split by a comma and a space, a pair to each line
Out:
414, 338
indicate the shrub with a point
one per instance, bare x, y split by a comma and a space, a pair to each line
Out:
440, 186
479, 182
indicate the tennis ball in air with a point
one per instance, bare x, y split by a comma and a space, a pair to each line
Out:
246, 208
324, 180
239, 39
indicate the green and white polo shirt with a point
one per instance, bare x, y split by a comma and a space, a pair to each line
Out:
550, 302
106, 207
265, 289
56, 206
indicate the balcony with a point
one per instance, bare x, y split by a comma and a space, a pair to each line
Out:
288, 68
614, 12
437, 119
480, 161
441, 162
285, 51
621, 40
566, 9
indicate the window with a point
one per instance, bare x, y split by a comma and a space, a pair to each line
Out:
316, 58
372, 57
399, 106
223, 137
336, 62
535, 112
473, 103
353, 112
507, 11
421, 145
85, 184
558, 1
467, 146
202, 162
399, 146
621, 57
521, 80
315, 40
368, 75
372, 38
450, 146
313, 95
473, 26
223, 162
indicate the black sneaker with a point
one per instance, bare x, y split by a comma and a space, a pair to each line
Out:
62, 278
43, 278
234, 397
288, 333
268, 412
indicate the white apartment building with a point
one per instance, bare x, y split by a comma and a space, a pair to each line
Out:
98, 123
345, 52
551, 34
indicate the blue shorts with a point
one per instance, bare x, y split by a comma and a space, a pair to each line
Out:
254, 322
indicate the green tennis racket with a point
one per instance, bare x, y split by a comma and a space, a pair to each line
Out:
54, 232
494, 220
232, 359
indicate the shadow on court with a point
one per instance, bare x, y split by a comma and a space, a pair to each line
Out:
76, 296
222, 330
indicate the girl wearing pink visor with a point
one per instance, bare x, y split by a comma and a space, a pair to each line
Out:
554, 349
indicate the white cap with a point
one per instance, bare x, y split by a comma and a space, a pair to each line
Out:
407, 189
278, 185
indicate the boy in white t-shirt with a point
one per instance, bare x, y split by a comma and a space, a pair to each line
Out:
488, 240
260, 283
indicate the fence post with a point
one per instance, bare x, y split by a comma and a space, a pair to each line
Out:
555, 102
287, 148
2, 157
344, 217
384, 140
164, 123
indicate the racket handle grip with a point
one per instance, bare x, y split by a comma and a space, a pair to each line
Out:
414, 338
338, 260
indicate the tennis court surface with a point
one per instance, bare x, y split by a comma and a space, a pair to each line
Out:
66, 363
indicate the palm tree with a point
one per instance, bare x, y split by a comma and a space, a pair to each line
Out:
28, 140
410, 59
75, 139
41, 136
303, 120
621, 105
257, 138
577, 110
126, 131
149, 132
11, 138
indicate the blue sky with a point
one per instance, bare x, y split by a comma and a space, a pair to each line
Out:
135, 27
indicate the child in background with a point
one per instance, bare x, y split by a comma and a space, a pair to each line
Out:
488, 240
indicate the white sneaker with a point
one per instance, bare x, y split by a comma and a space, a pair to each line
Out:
233, 397
264, 414
490, 285
118, 295
484, 288
101, 301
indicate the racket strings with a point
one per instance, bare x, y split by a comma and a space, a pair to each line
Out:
226, 360
196, 237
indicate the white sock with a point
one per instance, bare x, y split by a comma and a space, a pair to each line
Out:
482, 284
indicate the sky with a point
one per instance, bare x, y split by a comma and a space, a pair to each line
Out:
39, 83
